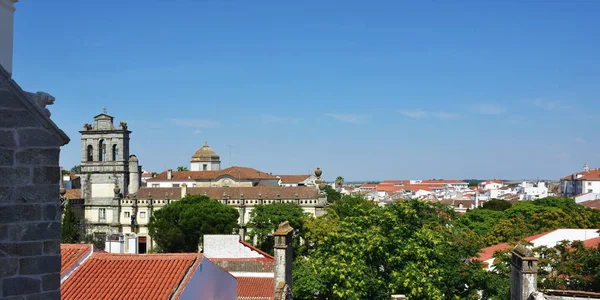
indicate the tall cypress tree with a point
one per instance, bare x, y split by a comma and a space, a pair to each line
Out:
69, 233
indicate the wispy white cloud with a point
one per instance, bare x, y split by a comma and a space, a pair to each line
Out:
548, 104
421, 114
488, 109
349, 118
197, 131
579, 140
197, 123
282, 120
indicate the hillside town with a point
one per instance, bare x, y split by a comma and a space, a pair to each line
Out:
109, 228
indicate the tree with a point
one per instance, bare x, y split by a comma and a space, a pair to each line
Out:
179, 226
360, 250
339, 181
181, 168
154, 174
332, 194
76, 169
70, 232
497, 204
265, 218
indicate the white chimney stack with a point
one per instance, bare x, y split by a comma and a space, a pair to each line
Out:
169, 174
7, 10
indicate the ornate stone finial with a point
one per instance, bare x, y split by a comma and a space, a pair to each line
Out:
278, 195
259, 195
104, 110
242, 195
318, 172
117, 190
283, 228
62, 191
123, 125
87, 126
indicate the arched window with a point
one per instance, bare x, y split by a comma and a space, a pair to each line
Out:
115, 152
102, 150
90, 153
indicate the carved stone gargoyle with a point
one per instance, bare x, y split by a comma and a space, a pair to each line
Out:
42, 99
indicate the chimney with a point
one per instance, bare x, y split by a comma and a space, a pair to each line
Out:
398, 297
7, 10
523, 273
169, 171
134, 174
283, 260
183, 190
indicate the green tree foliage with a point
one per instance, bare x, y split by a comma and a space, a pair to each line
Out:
76, 169
360, 250
332, 194
70, 231
181, 168
497, 204
265, 218
178, 226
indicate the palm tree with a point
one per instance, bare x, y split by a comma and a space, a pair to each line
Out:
339, 181
181, 168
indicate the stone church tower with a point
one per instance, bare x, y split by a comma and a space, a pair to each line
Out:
108, 172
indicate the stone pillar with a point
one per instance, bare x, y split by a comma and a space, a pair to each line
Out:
116, 210
242, 210
134, 175
283, 257
523, 273
183, 190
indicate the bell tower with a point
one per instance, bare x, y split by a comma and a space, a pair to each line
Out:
104, 169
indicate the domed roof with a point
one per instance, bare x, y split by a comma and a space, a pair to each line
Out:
205, 153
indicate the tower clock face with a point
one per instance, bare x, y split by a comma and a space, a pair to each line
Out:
226, 182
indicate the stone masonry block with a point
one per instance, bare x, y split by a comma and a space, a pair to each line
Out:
4, 232
9, 101
7, 139
37, 194
51, 282
39, 265
7, 157
7, 194
20, 213
15, 298
21, 249
35, 231
8, 266
37, 156
46, 175
16, 118
52, 247
37, 137
45, 296
16, 286
52, 212
14, 176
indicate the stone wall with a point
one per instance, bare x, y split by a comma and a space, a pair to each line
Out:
30, 213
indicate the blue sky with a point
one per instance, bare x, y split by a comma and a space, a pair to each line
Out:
363, 89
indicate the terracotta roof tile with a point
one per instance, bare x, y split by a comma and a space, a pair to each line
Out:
591, 174
128, 276
595, 204
255, 288
73, 194
233, 172
488, 252
72, 253
592, 243
293, 178
267, 192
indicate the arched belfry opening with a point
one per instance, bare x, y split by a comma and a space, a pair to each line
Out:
115, 152
90, 153
102, 150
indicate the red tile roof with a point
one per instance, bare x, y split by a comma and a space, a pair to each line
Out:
369, 185
255, 288
293, 178
592, 243
595, 204
591, 174
72, 253
488, 253
129, 276
266, 192
233, 172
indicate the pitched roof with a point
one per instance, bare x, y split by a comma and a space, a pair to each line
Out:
70, 254
34, 110
595, 204
592, 243
129, 276
73, 194
255, 288
293, 178
266, 192
488, 252
591, 174
233, 172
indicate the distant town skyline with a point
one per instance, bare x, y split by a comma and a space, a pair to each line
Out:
452, 89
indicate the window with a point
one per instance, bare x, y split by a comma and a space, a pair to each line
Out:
155, 185
175, 184
115, 152
142, 214
102, 214
90, 153
204, 167
589, 183
127, 214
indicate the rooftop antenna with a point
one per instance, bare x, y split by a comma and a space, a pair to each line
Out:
230, 146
